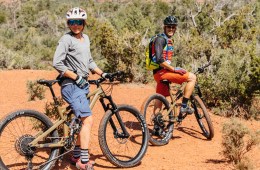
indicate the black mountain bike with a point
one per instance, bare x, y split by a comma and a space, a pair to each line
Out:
161, 115
29, 139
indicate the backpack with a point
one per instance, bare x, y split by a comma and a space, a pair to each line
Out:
150, 58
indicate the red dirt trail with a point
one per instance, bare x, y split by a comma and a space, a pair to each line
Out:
188, 149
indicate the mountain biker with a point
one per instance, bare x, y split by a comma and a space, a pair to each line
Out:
166, 71
73, 60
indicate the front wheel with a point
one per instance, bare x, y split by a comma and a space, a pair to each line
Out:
17, 130
203, 118
157, 113
123, 149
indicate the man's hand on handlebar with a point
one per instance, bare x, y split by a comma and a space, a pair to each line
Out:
179, 70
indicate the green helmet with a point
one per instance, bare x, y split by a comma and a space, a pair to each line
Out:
170, 20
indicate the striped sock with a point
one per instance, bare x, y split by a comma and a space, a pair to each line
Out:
76, 151
84, 156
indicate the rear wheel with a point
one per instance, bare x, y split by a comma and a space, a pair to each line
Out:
120, 149
155, 110
17, 130
203, 118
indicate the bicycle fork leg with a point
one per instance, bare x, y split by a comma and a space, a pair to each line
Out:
125, 134
112, 106
195, 108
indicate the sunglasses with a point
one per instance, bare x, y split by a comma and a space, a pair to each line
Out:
171, 27
75, 22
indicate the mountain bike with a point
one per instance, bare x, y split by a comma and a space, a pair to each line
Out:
29, 139
161, 115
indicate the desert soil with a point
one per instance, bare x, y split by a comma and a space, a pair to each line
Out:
188, 149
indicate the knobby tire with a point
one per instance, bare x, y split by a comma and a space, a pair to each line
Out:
166, 128
16, 128
203, 118
123, 152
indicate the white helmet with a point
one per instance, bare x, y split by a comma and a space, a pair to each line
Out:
76, 13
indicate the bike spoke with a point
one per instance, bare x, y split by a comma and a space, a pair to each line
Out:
125, 143
157, 115
125, 148
14, 140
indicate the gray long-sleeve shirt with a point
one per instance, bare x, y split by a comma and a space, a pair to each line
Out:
74, 55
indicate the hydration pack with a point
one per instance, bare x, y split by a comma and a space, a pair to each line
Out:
150, 58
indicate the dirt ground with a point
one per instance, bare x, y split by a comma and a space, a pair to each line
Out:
188, 149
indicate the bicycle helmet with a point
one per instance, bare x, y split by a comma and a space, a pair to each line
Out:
170, 20
76, 13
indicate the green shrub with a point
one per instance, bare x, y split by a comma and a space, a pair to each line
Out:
51, 112
237, 140
2, 17
50, 109
245, 164
35, 90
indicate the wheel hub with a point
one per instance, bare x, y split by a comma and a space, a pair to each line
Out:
158, 120
120, 137
158, 128
22, 146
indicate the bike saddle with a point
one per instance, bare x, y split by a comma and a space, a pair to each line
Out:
165, 81
48, 83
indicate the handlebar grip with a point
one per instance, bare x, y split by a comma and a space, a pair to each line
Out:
119, 73
116, 74
201, 69
41, 81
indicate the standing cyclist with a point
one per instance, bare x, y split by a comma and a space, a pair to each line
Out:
163, 45
73, 60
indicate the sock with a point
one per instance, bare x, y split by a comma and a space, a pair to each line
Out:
76, 151
184, 102
84, 156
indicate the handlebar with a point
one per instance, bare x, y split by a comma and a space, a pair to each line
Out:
97, 82
114, 75
202, 68
111, 79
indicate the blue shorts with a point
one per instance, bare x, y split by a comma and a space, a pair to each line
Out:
77, 99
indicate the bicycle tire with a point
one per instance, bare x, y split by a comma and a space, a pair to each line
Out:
123, 152
203, 118
160, 131
16, 131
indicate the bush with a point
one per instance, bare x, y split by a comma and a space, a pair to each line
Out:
245, 164
50, 109
2, 17
35, 90
237, 140
51, 112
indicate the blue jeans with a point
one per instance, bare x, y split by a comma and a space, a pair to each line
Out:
77, 99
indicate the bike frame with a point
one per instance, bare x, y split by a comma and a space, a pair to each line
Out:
177, 96
174, 98
65, 113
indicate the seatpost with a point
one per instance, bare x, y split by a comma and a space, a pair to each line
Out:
53, 96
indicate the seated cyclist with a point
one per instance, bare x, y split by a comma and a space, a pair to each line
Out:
164, 51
